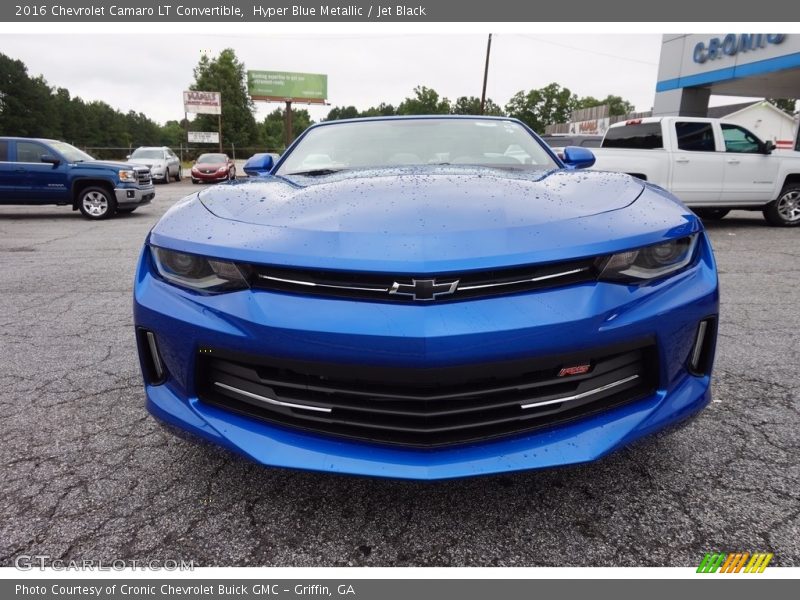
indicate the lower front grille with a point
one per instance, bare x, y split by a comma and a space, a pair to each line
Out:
427, 408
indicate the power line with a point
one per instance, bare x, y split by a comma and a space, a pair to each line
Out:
595, 52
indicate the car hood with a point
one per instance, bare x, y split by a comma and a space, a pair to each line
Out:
419, 220
209, 165
421, 201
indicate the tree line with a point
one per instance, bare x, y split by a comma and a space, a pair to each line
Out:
537, 107
29, 107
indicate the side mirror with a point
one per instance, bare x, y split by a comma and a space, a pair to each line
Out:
768, 147
50, 159
259, 165
577, 157
128, 156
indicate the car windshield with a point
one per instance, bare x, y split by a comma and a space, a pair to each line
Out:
71, 153
212, 159
147, 153
407, 142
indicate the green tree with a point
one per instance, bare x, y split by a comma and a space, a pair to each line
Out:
342, 112
426, 101
26, 103
471, 105
787, 105
172, 134
616, 104
538, 108
272, 127
227, 75
382, 110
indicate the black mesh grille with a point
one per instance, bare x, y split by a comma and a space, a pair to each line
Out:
426, 407
409, 288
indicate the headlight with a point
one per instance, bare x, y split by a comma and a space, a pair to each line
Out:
197, 272
650, 262
128, 176
222, 169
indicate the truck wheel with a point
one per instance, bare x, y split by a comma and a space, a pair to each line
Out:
96, 203
711, 214
785, 211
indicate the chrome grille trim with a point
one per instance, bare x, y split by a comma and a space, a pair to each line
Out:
268, 400
582, 395
521, 281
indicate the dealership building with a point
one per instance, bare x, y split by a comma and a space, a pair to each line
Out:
694, 67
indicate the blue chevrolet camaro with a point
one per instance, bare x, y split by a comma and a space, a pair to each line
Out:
426, 298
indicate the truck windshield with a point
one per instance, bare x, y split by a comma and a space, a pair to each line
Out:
410, 142
70, 153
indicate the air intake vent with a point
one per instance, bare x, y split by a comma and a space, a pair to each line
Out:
426, 407
152, 366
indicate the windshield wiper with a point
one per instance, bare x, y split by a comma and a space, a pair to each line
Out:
316, 172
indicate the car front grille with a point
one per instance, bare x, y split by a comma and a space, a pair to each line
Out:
409, 288
426, 408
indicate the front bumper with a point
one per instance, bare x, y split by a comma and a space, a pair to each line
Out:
134, 196
352, 333
209, 177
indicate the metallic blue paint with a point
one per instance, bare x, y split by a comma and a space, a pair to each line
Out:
418, 221
578, 157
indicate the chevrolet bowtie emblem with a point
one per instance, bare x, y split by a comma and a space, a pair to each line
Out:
423, 289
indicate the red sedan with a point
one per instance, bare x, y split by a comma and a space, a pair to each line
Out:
209, 168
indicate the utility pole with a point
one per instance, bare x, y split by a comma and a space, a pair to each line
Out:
220, 130
486, 74
287, 124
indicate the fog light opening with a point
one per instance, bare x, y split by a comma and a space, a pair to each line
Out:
153, 367
699, 359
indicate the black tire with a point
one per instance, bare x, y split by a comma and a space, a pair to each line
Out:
711, 214
128, 209
178, 174
165, 181
194, 181
785, 211
231, 174
96, 203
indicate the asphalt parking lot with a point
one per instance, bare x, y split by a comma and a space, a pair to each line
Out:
87, 474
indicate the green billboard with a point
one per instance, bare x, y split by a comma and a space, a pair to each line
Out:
279, 85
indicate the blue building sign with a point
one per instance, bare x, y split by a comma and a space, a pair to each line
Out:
734, 43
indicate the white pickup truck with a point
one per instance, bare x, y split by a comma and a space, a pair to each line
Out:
711, 165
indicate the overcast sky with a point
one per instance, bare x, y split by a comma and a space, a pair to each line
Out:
147, 73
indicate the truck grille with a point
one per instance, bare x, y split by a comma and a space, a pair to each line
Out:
143, 176
426, 408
